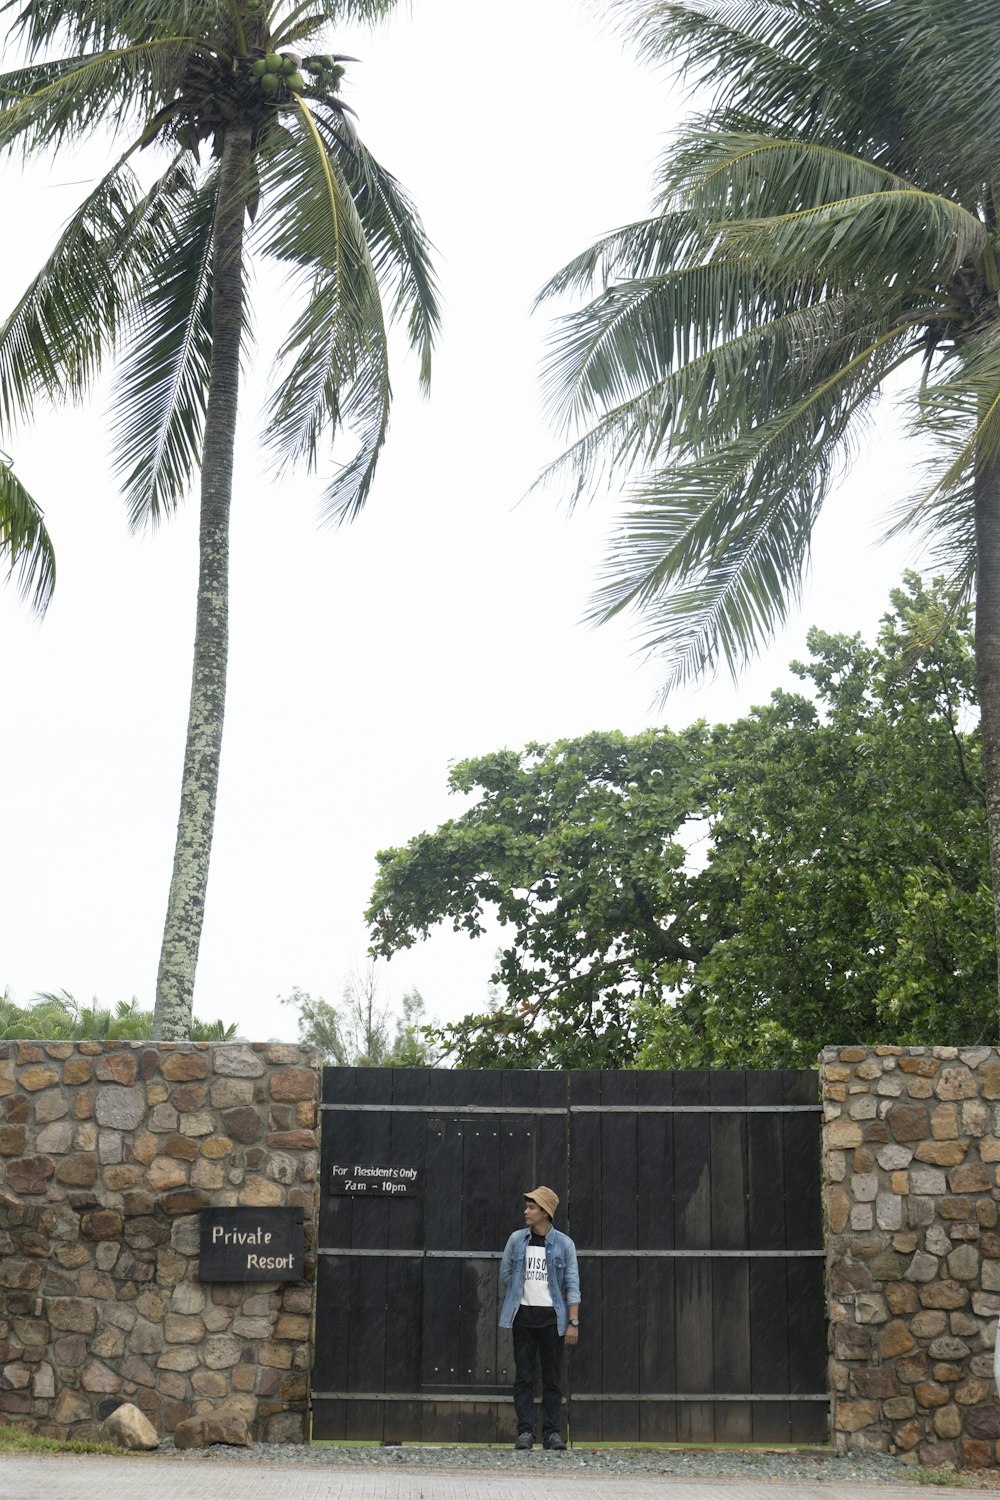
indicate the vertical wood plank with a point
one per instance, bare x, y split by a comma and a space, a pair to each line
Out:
329, 1420
620, 1352
585, 1362
655, 1157
402, 1422
478, 1335
730, 1282
477, 1422
801, 1158
807, 1349
404, 1324
481, 1170
731, 1349
332, 1326
366, 1352
550, 1136
693, 1278
585, 1209
443, 1190
769, 1349
657, 1322
441, 1323
694, 1295
364, 1421
658, 1351
619, 1190
440, 1421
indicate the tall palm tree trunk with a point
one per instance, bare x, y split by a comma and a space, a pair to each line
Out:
200, 783
987, 493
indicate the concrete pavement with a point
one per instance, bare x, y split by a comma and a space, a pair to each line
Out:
91, 1477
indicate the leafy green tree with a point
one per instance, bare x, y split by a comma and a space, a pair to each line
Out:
158, 275
363, 1031
830, 220
576, 848
814, 872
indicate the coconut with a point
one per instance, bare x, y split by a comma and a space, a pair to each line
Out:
295, 82
273, 62
288, 64
270, 83
259, 68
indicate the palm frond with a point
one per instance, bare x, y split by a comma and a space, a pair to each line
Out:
715, 174
960, 413
25, 543
712, 551
100, 25
631, 336
397, 242
47, 104
792, 65
915, 234
649, 247
74, 311
334, 370
953, 58
733, 383
161, 392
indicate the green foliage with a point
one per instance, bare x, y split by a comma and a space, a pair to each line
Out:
739, 896
60, 1017
825, 221
363, 1031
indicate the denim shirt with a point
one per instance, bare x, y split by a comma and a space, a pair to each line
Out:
564, 1276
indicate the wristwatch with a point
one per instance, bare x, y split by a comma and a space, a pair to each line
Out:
574, 1322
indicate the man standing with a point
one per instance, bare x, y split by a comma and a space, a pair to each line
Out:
541, 1303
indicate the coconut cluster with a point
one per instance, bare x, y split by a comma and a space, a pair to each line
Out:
327, 70
277, 73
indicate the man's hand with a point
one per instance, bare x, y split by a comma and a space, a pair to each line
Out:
572, 1335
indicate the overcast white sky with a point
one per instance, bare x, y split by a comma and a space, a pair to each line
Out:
444, 623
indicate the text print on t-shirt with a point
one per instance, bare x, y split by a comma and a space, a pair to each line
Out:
536, 1278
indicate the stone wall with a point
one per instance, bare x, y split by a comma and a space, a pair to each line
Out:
108, 1151
911, 1154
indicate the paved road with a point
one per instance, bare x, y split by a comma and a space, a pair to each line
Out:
41, 1477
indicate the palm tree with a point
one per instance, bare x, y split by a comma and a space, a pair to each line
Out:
155, 271
829, 220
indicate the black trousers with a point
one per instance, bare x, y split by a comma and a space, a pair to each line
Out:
532, 1345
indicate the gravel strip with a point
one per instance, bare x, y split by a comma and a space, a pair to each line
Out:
812, 1466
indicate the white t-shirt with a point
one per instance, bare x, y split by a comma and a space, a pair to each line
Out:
536, 1278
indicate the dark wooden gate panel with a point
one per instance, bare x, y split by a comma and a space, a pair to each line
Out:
694, 1201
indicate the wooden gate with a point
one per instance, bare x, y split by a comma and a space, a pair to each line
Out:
694, 1201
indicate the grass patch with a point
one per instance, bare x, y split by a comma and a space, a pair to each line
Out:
18, 1440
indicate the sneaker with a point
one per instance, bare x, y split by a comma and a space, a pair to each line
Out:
555, 1441
525, 1440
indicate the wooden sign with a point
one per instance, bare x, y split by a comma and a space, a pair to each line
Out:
250, 1244
376, 1182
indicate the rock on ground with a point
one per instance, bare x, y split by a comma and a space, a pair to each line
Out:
128, 1427
220, 1426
